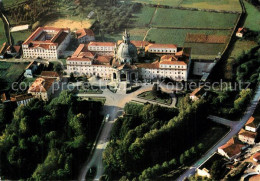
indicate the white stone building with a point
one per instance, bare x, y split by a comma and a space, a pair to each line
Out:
102, 48
46, 43
120, 62
162, 48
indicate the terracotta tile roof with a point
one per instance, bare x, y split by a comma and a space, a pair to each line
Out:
84, 32
103, 59
173, 63
168, 58
29, 66
232, 147
154, 65
252, 123
127, 66
102, 44
162, 46
196, 91
3, 48
240, 30
137, 43
49, 74
248, 134
17, 48
254, 178
21, 97
79, 59
41, 85
3, 97
59, 35
257, 156
85, 55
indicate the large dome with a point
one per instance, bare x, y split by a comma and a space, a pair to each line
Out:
126, 52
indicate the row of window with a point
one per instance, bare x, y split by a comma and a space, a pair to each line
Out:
162, 51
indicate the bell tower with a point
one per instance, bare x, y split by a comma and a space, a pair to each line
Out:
126, 37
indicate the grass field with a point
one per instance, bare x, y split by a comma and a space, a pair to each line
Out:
238, 49
161, 2
10, 72
177, 36
20, 36
193, 19
144, 17
205, 50
253, 17
226, 5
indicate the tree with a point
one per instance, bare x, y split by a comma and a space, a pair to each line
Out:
216, 170
72, 78
182, 159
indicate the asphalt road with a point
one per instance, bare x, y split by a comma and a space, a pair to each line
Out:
234, 130
113, 106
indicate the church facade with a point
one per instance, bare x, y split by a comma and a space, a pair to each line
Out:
129, 61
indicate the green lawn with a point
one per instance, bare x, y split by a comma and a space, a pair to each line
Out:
10, 72
253, 17
161, 2
2, 33
20, 36
240, 46
143, 18
177, 36
150, 97
205, 50
227, 5
193, 19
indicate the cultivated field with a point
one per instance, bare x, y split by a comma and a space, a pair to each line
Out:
226, 5
69, 23
253, 17
144, 17
161, 2
193, 19
177, 36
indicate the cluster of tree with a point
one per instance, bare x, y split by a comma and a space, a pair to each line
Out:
230, 104
137, 137
6, 114
30, 11
115, 18
159, 169
248, 67
52, 139
254, 2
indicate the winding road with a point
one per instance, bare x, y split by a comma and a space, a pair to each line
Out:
235, 128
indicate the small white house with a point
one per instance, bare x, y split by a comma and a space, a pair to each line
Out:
252, 125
